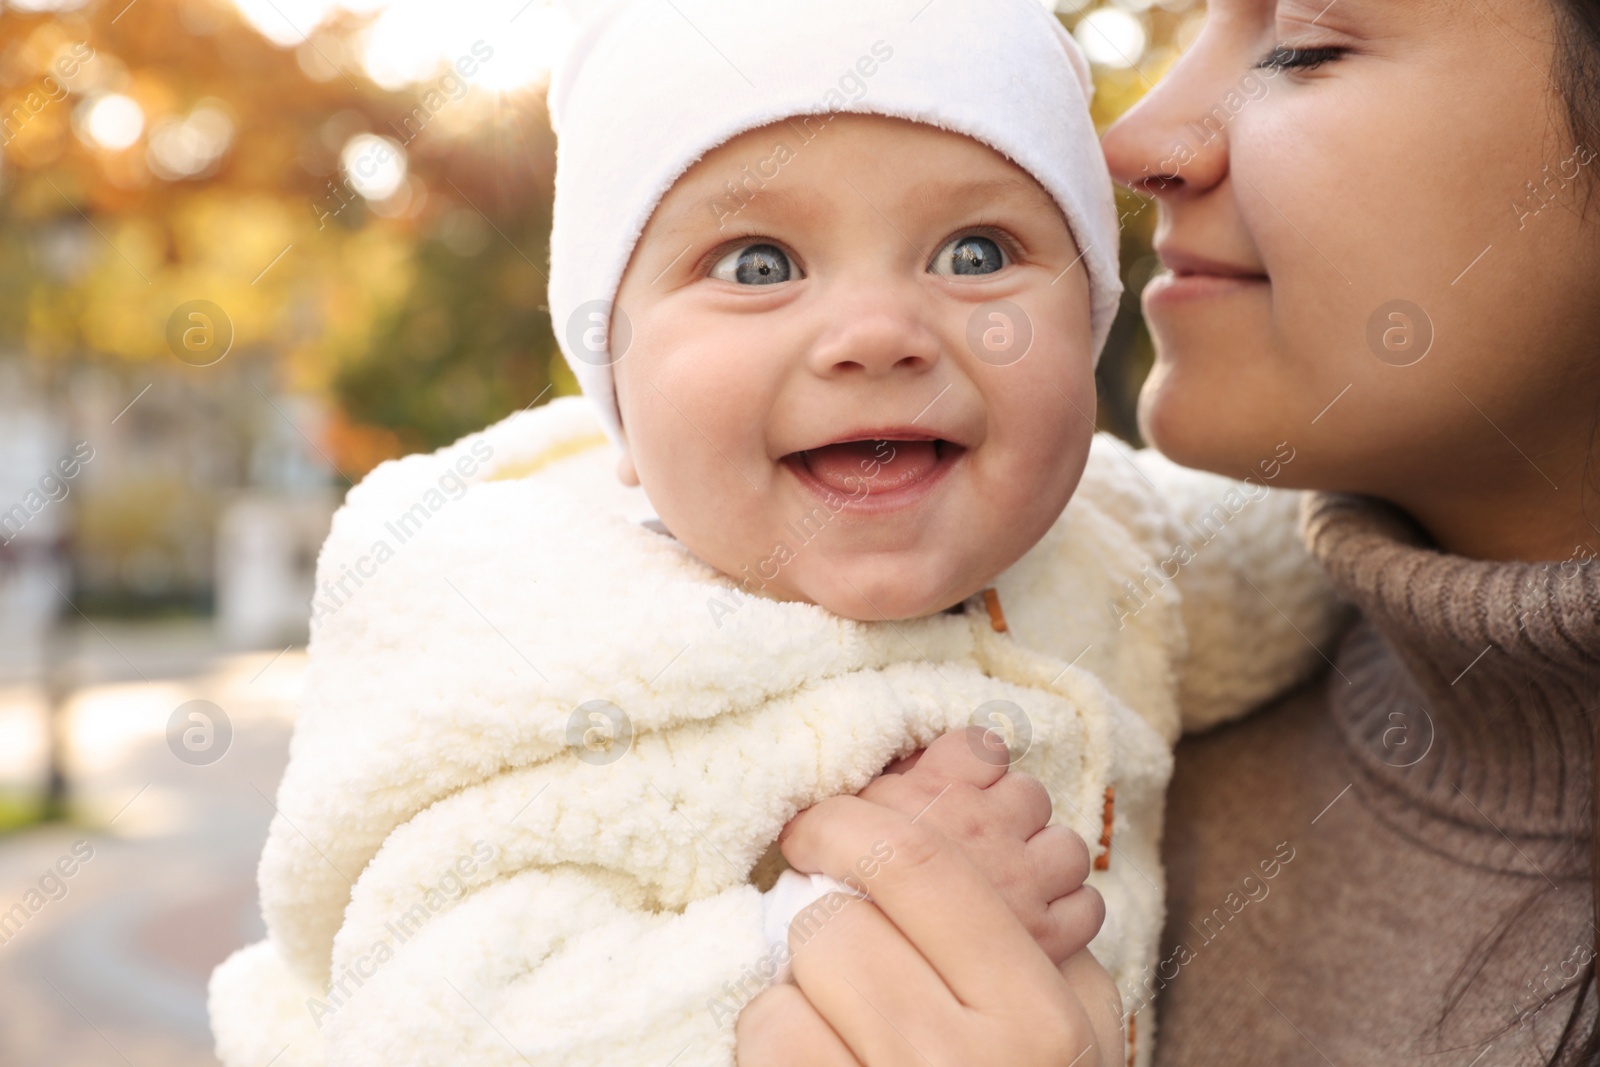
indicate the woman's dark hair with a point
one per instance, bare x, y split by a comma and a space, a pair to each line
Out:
1577, 67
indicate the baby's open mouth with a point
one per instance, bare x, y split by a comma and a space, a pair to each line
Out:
874, 466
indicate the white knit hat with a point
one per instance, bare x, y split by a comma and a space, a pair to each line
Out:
651, 86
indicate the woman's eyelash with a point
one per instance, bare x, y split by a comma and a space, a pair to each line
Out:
1287, 57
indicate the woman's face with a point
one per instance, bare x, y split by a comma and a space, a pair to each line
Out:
1376, 248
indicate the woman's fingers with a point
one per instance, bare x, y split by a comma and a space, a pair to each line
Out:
780, 1028
875, 989
929, 891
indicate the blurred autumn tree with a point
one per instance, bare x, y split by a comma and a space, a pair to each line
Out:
164, 151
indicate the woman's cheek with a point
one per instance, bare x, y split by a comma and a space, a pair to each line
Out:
1315, 229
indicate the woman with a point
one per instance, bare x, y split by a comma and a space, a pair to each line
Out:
1389, 258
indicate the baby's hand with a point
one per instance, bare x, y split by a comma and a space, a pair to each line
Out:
962, 785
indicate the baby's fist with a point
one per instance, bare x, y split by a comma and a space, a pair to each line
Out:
963, 786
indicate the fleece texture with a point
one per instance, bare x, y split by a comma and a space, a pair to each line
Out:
461, 871
649, 88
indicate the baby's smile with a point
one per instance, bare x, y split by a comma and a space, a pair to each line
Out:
810, 365
882, 471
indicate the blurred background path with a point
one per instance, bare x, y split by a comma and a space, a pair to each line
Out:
114, 971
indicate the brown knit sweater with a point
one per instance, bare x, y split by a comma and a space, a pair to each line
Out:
1340, 862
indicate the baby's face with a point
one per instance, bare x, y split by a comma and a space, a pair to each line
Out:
866, 383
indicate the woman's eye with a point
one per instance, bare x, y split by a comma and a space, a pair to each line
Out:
754, 265
1286, 57
972, 254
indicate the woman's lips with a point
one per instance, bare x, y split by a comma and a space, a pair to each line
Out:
1173, 288
1191, 276
874, 475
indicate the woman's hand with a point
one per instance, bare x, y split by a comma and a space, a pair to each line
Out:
936, 970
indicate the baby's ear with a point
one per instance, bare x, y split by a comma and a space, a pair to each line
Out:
627, 473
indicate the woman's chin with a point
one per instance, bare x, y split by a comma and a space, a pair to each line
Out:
1192, 424
1163, 422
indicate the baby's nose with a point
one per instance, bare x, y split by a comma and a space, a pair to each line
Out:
876, 338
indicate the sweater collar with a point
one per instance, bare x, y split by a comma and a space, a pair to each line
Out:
1467, 694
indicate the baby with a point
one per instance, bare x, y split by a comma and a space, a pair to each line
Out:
833, 277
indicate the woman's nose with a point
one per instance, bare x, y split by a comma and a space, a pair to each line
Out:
877, 332
1169, 143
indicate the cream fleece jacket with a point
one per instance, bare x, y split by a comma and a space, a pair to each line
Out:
455, 875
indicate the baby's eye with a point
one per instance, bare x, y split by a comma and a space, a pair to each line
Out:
970, 254
754, 265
